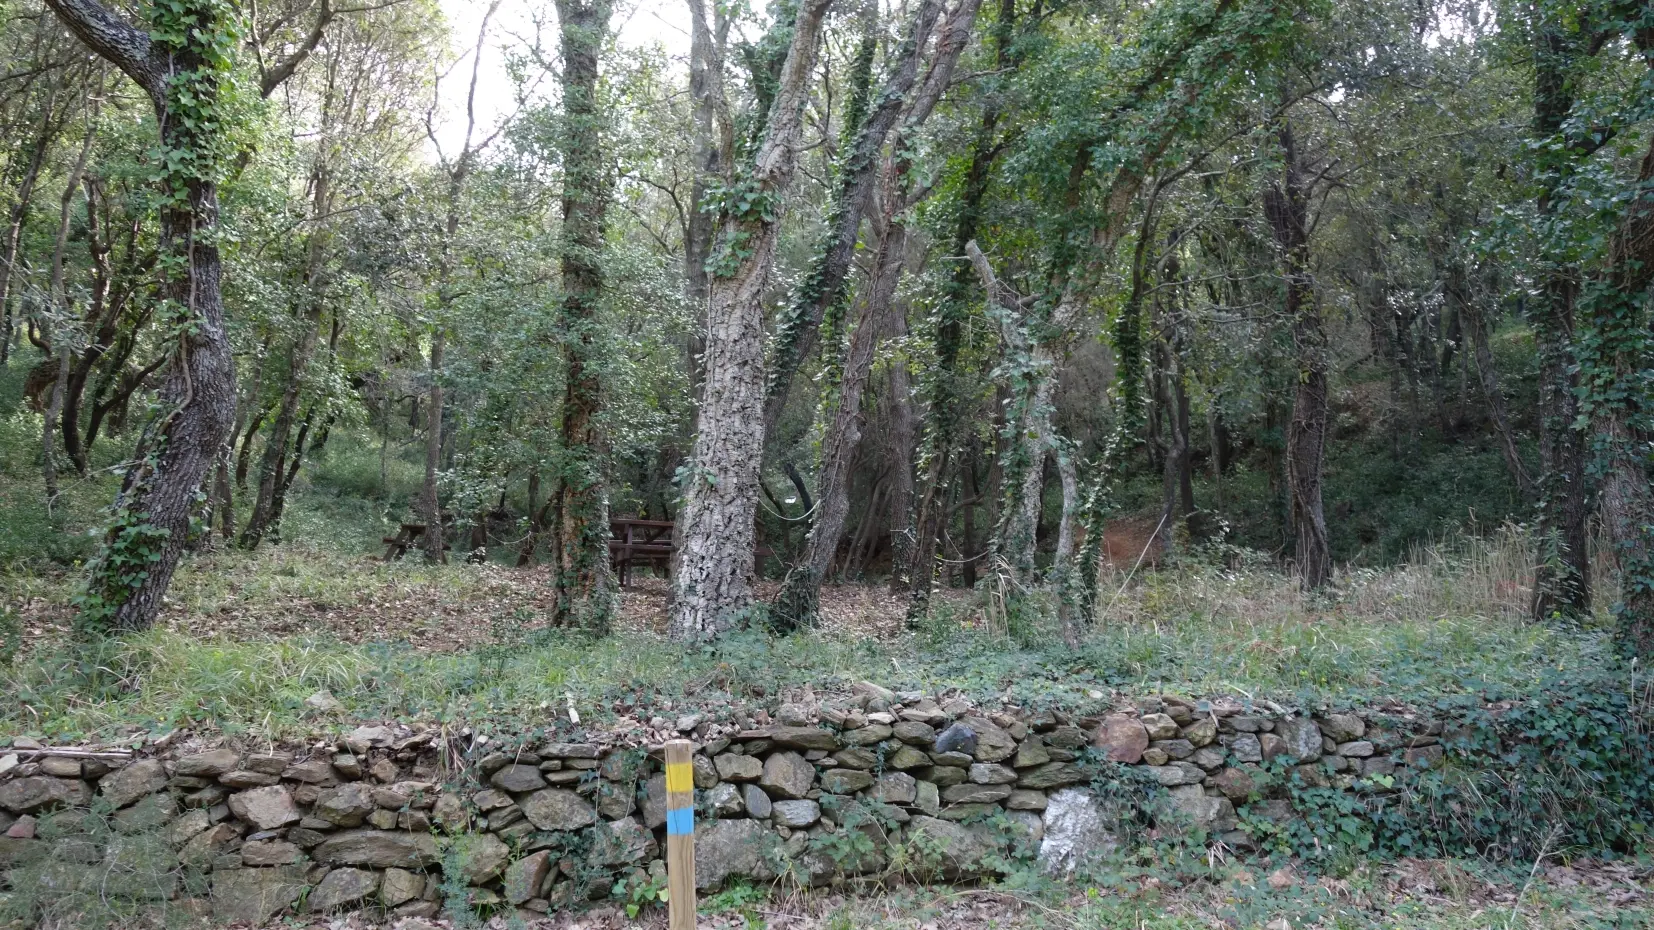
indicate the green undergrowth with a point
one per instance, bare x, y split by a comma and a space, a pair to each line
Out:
1194, 629
1441, 895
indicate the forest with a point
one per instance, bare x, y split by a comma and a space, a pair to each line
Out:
454, 360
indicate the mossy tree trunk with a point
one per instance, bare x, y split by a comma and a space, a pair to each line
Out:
713, 581
585, 585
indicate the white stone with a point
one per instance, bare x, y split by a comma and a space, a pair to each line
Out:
1074, 830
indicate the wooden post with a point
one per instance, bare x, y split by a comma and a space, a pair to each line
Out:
680, 835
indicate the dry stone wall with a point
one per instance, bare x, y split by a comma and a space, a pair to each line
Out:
404, 822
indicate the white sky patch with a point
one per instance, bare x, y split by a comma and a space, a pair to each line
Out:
639, 24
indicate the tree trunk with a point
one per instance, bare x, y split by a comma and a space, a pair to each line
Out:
714, 577
798, 603
1614, 362
223, 497
1031, 437
1027, 434
824, 284
944, 395
1062, 564
585, 593
54, 410
101, 323
967, 519
1562, 571
19, 215
1177, 476
1131, 396
244, 456
706, 66
458, 171
430, 506
1476, 325
302, 445
299, 355
158, 496
1068, 475
63, 335
1286, 208
903, 430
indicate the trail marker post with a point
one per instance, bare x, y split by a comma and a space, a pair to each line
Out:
680, 835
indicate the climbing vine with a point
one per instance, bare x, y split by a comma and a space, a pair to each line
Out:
198, 117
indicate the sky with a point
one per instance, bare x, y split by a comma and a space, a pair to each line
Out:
639, 23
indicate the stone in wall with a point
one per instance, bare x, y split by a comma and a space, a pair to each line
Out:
366, 821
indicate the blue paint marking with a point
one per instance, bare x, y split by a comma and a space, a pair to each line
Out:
680, 822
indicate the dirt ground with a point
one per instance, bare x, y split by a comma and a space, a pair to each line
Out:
298, 593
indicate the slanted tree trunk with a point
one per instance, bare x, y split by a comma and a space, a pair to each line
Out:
584, 583
714, 577
243, 457
797, 604
158, 495
1286, 208
824, 284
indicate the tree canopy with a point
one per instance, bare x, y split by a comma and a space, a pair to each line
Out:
936, 292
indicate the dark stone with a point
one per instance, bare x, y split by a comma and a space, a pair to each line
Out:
957, 738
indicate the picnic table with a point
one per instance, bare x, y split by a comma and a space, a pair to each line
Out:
634, 541
407, 538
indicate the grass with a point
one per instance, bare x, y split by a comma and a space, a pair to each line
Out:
1447, 622
1408, 895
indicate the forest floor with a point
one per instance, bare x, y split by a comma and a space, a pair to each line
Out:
297, 592
247, 638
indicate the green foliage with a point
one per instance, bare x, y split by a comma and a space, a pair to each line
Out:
740, 204
132, 546
639, 891
1567, 765
737, 898
1558, 768
456, 888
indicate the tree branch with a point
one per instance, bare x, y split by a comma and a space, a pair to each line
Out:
115, 40
272, 78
